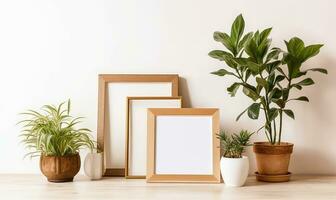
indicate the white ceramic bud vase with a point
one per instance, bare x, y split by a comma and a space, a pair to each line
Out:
234, 171
93, 165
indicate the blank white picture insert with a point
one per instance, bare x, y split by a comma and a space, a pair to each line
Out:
138, 131
116, 116
184, 145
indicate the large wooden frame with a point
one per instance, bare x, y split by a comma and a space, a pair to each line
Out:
103, 108
129, 128
152, 153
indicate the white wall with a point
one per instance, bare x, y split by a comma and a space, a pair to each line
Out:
52, 50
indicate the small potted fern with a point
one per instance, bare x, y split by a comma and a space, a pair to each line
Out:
51, 134
234, 166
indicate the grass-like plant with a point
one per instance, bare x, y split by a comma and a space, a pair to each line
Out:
52, 132
234, 145
266, 75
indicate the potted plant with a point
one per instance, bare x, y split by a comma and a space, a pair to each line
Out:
234, 166
51, 134
93, 164
267, 76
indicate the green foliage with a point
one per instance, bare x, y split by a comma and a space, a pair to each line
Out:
233, 146
52, 132
266, 75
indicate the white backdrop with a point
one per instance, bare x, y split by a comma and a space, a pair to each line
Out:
52, 50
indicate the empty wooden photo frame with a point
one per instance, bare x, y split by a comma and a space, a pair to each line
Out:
183, 145
136, 135
112, 100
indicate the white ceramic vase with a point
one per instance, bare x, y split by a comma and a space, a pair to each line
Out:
234, 170
93, 165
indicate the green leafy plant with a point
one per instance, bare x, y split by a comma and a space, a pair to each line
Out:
233, 146
52, 132
266, 75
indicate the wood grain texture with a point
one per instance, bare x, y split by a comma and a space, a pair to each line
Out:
36, 187
103, 81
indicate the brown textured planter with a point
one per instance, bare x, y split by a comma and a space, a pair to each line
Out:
60, 168
273, 160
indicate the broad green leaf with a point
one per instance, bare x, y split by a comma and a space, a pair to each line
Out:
222, 72
272, 66
237, 29
279, 78
223, 56
295, 46
262, 49
289, 113
251, 49
253, 110
226, 41
240, 61
306, 82
285, 93
262, 82
302, 98
281, 103
321, 70
273, 113
253, 67
264, 35
299, 87
250, 93
243, 41
270, 81
233, 89
219, 54
276, 93
309, 51
274, 54
247, 74
258, 89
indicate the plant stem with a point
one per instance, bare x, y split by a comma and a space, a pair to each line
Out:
275, 131
280, 131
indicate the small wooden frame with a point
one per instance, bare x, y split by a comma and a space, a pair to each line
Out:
136, 131
112, 98
183, 145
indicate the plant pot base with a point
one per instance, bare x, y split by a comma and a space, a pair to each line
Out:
273, 178
60, 180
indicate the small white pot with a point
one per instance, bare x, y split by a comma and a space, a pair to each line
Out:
234, 170
93, 165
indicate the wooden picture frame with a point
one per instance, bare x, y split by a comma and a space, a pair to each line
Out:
113, 90
183, 145
136, 131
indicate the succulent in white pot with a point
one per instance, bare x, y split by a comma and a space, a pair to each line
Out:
234, 166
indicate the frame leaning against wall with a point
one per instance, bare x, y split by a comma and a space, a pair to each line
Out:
171, 156
133, 83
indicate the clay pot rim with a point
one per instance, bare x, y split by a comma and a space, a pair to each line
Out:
268, 144
268, 148
69, 155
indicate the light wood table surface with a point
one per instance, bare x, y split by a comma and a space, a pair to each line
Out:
37, 187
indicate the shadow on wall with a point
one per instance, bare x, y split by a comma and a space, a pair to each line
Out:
184, 92
316, 130
309, 161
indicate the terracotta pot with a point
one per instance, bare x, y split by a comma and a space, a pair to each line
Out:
272, 159
60, 168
